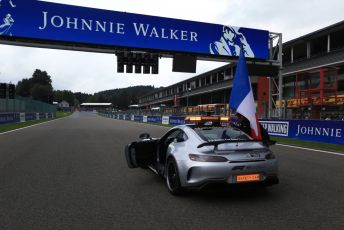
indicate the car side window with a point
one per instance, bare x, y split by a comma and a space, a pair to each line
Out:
170, 137
181, 137
175, 136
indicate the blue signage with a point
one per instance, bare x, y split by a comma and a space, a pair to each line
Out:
138, 118
9, 118
41, 115
177, 120
311, 130
30, 116
33, 19
276, 128
154, 119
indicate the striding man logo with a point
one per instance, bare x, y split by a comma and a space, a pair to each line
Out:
230, 43
7, 20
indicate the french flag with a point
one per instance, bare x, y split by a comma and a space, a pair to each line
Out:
241, 99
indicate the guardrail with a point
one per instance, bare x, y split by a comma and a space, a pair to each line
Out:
309, 130
6, 118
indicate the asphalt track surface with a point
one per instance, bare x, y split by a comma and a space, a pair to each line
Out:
71, 174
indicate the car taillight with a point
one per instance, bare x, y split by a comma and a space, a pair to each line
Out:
206, 158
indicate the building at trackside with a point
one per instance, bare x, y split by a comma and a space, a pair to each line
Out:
313, 82
95, 106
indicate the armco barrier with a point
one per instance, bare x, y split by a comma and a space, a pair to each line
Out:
154, 119
30, 116
9, 118
138, 118
6, 118
309, 130
41, 116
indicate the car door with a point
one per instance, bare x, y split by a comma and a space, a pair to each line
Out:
165, 141
178, 144
141, 154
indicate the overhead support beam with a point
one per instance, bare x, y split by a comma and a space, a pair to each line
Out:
276, 80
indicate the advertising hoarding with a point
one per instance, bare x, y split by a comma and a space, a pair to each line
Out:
52, 22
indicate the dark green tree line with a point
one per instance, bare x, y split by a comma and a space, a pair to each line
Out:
38, 87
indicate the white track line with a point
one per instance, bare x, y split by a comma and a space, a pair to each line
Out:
315, 150
14, 130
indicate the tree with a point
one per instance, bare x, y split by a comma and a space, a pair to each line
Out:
82, 97
41, 78
42, 93
37, 87
64, 95
23, 88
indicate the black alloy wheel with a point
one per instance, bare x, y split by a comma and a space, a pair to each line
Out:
172, 178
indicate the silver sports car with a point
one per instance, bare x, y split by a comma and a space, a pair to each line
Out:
193, 156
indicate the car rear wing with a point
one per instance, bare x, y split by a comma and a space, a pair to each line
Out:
216, 143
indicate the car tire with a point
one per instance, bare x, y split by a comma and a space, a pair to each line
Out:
172, 178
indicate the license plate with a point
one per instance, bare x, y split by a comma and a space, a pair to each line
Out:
248, 178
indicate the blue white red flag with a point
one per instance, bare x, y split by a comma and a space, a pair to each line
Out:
241, 98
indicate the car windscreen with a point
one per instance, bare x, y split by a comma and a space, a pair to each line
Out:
221, 133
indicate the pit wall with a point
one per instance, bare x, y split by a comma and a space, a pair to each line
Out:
308, 130
6, 118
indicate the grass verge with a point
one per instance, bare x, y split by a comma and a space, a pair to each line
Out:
60, 114
309, 144
13, 126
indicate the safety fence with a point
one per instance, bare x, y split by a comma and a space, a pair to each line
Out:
309, 130
25, 105
6, 118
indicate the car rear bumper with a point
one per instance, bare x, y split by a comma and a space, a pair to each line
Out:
199, 174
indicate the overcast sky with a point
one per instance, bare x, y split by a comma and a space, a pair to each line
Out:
94, 72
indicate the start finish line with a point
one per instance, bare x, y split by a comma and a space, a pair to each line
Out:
53, 25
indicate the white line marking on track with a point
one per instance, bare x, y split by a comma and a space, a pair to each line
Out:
14, 130
315, 150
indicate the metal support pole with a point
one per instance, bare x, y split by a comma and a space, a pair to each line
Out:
187, 97
280, 78
7, 97
270, 99
275, 90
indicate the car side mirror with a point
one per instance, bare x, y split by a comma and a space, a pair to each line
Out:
144, 136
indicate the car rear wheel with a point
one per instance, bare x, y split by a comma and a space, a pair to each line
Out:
172, 178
